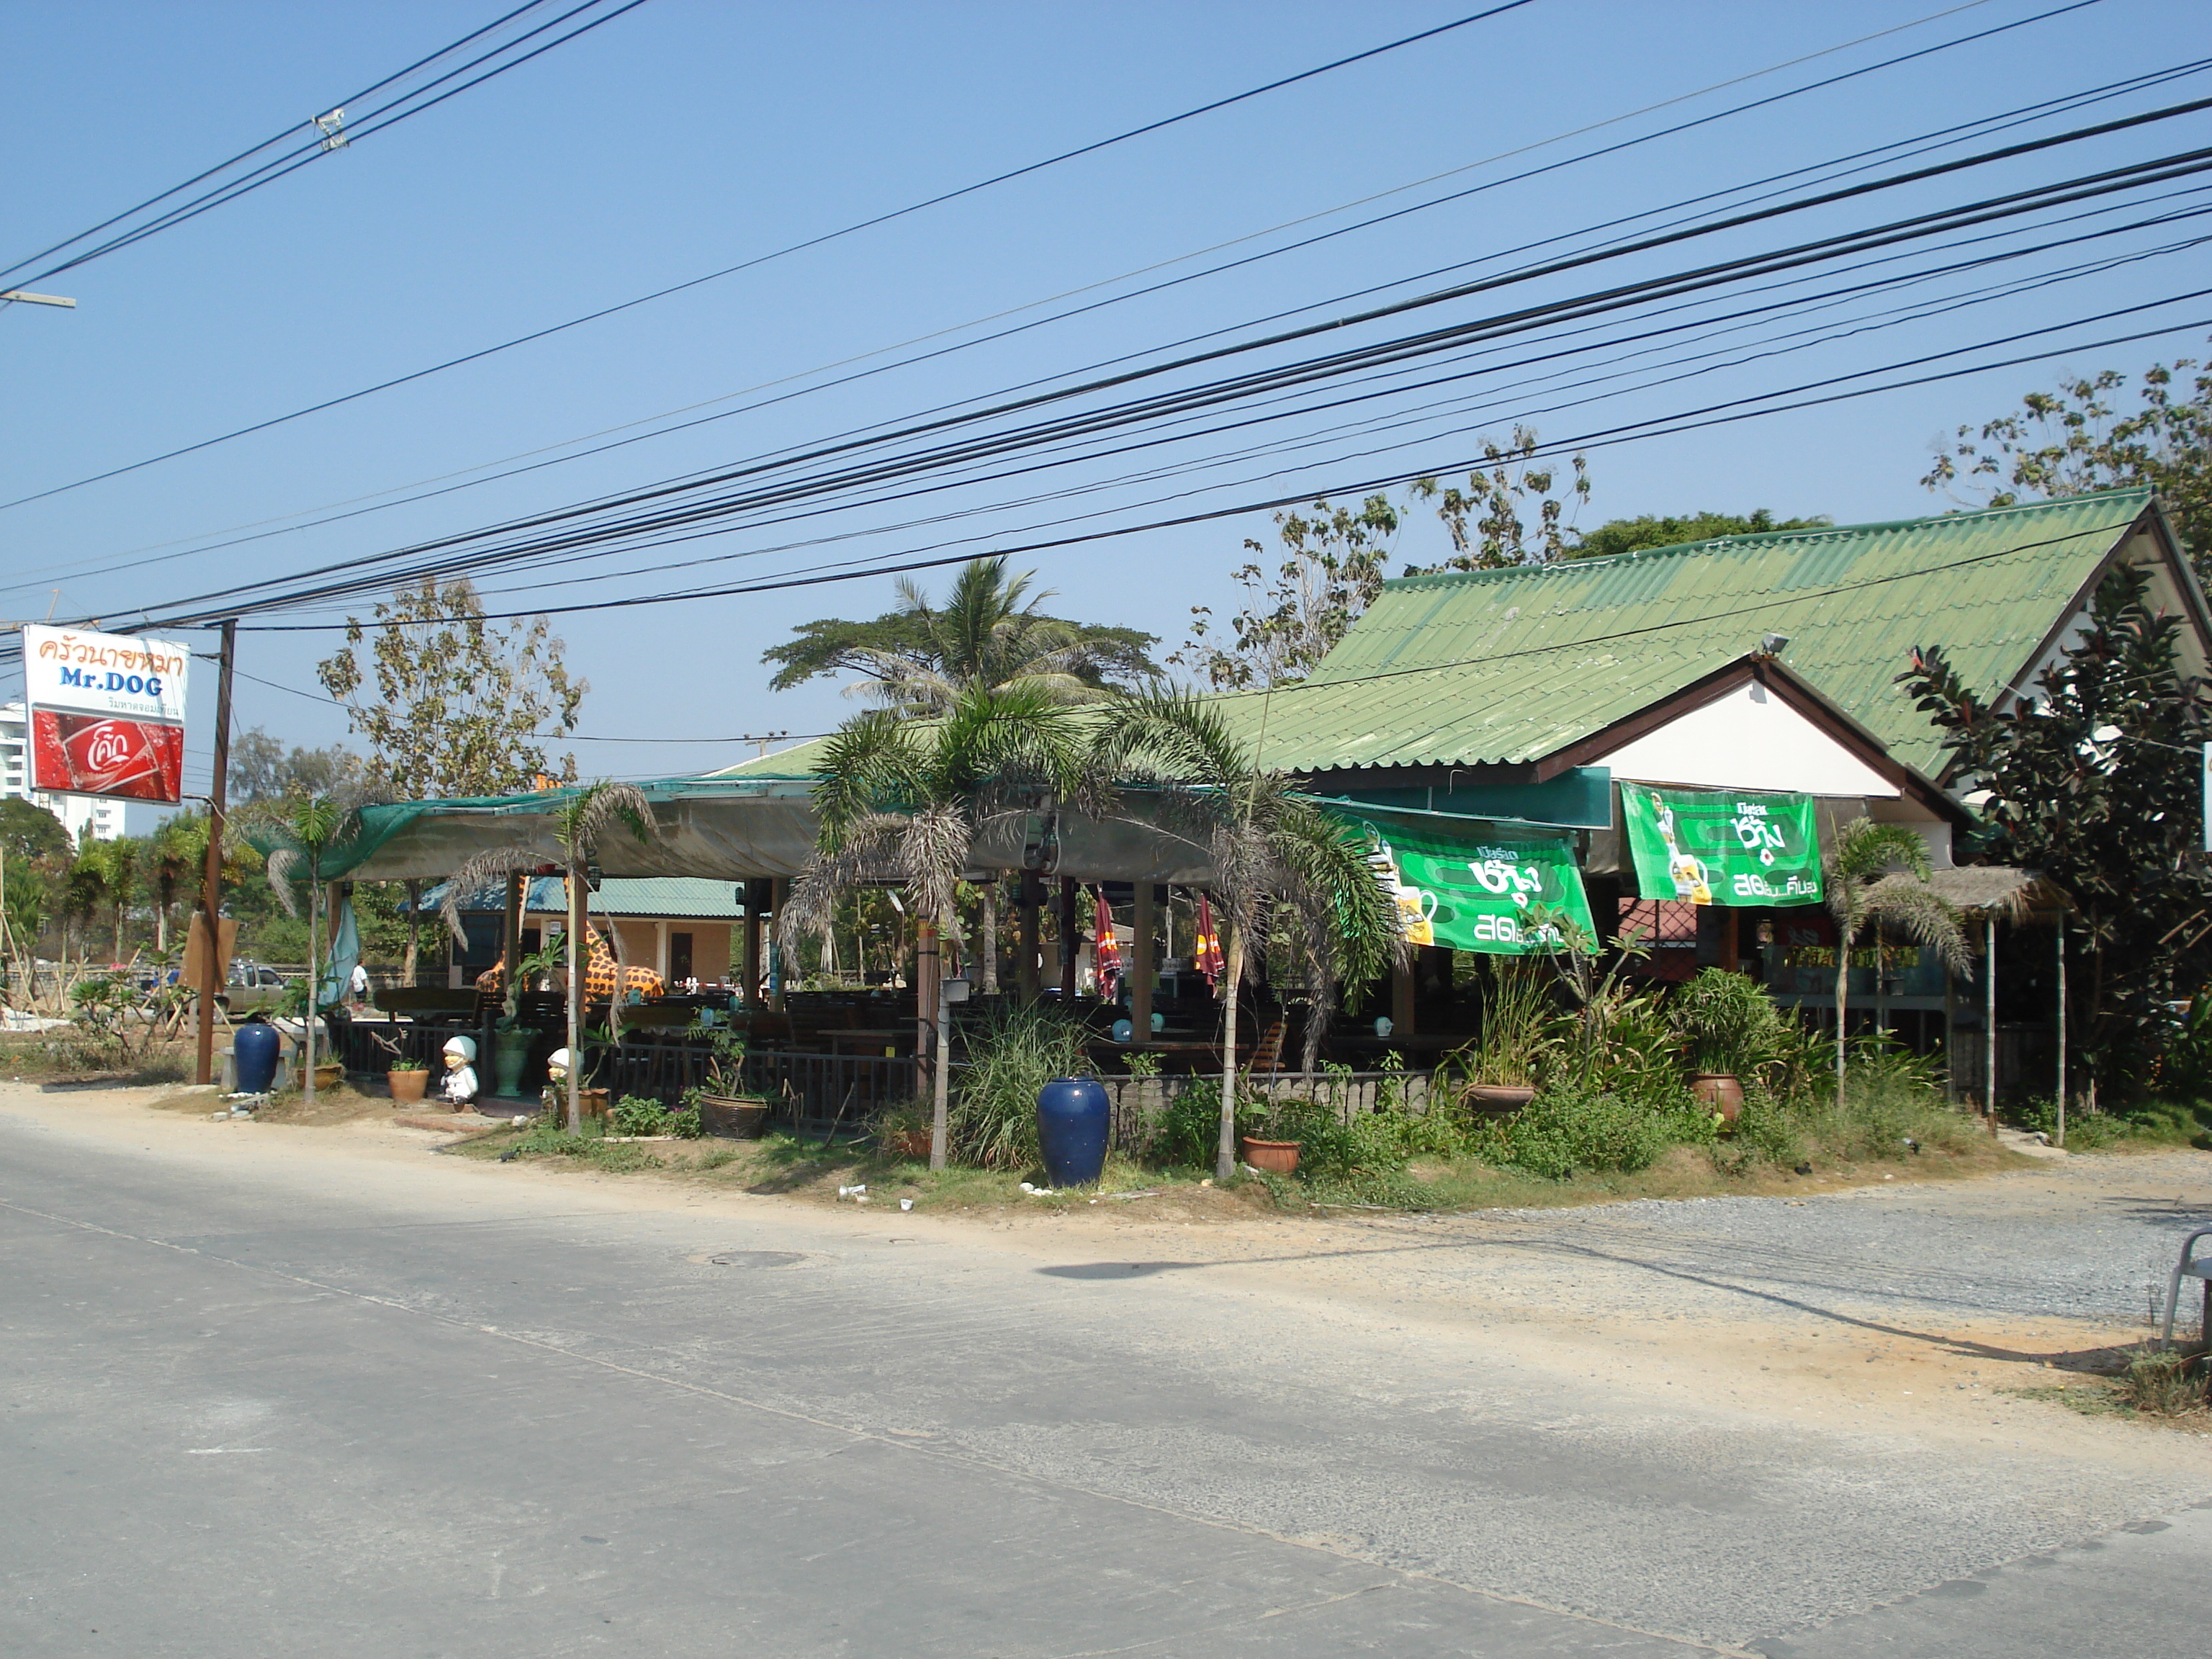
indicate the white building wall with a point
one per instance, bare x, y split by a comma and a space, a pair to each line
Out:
103, 819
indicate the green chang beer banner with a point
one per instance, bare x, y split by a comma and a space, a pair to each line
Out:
1475, 890
1714, 847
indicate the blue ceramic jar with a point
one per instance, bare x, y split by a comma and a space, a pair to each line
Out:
254, 1047
1074, 1120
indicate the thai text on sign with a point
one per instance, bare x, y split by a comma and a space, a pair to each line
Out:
107, 712
1720, 846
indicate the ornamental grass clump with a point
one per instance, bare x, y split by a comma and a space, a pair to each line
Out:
1011, 1054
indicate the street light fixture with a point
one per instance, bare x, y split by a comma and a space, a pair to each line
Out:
25, 297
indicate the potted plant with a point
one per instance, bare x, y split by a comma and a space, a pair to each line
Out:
1499, 1075
724, 1107
1725, 1025
1267, 1140
904, 1131
408, 1078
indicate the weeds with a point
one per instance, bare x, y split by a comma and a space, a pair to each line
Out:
1014, 1051
2164, 1384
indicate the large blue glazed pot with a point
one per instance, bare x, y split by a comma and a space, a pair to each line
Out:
254, 1047
1073, 1118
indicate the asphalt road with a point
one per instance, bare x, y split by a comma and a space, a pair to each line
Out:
317, 1406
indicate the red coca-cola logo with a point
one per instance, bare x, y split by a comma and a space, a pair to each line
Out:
90, 755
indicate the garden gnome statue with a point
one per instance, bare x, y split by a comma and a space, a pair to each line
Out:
555, 1095
460, 1087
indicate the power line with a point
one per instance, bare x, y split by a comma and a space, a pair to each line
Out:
1665, 425
779, 253
1954, 134
1325, 367
330, 135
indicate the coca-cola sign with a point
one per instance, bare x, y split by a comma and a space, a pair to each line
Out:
107, 712
90, 755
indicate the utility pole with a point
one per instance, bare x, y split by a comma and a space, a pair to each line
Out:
211, 877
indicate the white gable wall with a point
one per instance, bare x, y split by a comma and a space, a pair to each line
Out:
1748, 740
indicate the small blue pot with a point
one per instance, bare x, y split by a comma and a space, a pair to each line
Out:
254, 1047
1073, 1121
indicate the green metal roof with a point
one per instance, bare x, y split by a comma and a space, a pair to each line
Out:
1501, 666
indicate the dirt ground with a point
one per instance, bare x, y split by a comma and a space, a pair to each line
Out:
1964, 1308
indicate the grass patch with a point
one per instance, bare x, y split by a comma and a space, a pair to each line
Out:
53, 1056
2148, 1126
2159, 1387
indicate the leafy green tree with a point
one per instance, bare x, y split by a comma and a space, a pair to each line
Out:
1331, 567
1273, 852
990, 635
906, 801
1634, 535
2092, 782
28, 832
1487, 530
1333, 561
2078, 438
262, 769
1876, 877
450, 704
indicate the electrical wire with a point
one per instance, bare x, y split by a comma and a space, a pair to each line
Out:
779, 253
2066, 191
2076, 99
315, 149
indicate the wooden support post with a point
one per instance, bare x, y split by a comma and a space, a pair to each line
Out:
211, 875
779, 890
1143, 963
1071, 940
926, 975
518, 888
1401, 997
1027, 977
759, 894
1990, 1021
2060, 931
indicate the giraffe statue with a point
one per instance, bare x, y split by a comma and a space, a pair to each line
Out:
600, 971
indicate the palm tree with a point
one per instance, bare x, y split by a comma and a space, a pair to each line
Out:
1865, 888
1271, 848
990, 635
312, 823
172, 857
579, 824
904, 801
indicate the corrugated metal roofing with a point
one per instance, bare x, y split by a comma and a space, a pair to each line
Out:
687, 897
1511, 665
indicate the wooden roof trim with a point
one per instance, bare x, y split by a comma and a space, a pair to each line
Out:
1798, 693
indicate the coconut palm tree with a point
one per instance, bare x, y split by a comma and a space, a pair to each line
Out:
1876, 876
990, 635
904, 801
579, 824
1273, 850
311, 823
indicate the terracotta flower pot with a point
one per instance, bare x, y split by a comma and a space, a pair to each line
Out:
732, 1117
407, 1087
1498, 1099
1718, 1092
1275, 1156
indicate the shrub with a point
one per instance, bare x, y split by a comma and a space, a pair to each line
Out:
634, 1115
1561, 1131
1185, 1134
2164, 1384
684, 1125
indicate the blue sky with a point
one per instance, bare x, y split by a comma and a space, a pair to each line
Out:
684, 136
